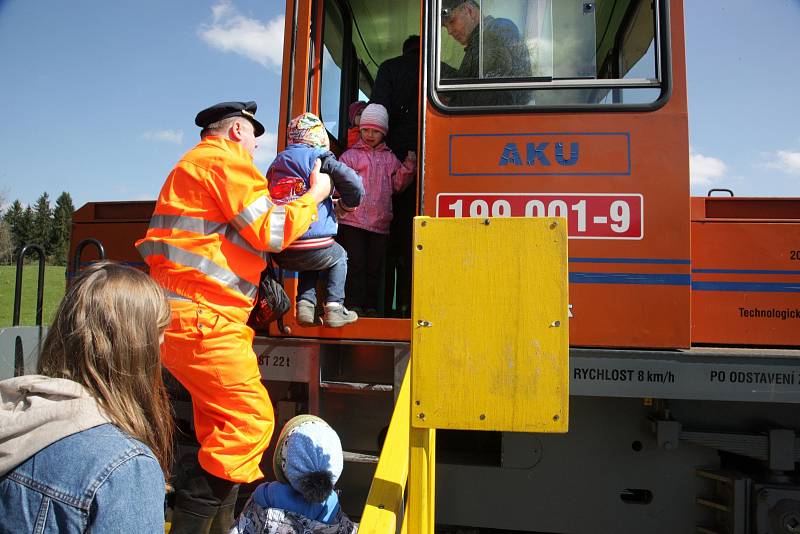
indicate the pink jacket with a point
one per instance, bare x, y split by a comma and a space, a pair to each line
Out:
383, 175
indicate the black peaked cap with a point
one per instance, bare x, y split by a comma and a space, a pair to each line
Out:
223, 110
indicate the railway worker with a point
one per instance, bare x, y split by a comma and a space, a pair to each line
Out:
502, 53
208, 240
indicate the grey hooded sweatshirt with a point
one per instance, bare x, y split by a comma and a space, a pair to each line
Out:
36, 411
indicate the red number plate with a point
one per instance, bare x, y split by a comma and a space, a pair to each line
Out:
589, 215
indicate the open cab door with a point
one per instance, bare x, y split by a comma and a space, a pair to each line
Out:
332, 51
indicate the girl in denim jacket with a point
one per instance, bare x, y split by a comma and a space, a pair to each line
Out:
364, 233
84, 444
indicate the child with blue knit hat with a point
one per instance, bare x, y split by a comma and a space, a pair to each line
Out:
307, 463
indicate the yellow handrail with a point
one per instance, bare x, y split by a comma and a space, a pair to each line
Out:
383, 511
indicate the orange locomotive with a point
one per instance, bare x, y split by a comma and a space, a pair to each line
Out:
616, 169
593, 129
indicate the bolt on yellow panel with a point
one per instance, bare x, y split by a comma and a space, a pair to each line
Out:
490, 341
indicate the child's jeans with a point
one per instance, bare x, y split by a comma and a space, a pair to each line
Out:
308, 263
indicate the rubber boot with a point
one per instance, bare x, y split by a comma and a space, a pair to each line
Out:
200, 498
184, 522
223, 521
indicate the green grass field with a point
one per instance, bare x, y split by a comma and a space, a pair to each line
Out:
53, 292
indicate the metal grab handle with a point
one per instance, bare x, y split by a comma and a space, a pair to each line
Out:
19, 357
729, 191
18, 284
76, 261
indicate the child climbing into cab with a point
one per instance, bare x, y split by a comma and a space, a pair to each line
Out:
316, 250
364, 233
307, 463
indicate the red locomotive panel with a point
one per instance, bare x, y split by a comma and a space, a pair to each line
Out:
746, 271
625, 198
116, 225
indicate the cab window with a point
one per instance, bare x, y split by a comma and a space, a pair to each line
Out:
529, 53
332, 62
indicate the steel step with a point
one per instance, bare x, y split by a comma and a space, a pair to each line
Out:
355, 387
360, 457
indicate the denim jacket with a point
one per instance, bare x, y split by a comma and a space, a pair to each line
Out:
96, 479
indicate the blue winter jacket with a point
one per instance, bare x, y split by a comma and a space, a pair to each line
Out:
288, 178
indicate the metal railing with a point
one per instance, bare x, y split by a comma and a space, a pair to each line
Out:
76, 260
384, 510
18, 284
23, 336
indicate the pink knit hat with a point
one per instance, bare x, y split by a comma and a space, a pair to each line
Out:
354, 109
375, 116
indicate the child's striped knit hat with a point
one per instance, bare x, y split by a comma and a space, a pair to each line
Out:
307, 129
375, 116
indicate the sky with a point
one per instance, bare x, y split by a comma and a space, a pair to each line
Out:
99, 98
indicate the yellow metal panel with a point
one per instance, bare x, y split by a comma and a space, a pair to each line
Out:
490, 334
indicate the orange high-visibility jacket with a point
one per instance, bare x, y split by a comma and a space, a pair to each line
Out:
213, 226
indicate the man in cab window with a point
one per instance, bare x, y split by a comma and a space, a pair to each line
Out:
500, 53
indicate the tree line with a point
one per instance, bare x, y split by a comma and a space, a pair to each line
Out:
40, 224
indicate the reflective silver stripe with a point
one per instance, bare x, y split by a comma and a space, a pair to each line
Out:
174, 296
203, 227
204, 265
277, 220
251, 213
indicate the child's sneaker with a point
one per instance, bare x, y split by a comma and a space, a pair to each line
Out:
337, 315
305, 313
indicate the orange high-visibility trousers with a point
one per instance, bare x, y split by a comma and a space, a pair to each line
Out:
214, 360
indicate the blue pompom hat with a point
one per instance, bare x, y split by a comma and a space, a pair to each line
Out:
307, 445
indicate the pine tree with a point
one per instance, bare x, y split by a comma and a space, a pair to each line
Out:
6, 242
26, 228
43, 223
13, 214
19, 223
6, 239
62, 226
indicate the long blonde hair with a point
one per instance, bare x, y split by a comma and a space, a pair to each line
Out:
106, 336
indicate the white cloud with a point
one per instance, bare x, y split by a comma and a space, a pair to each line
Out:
705, 170
785, 161
231, 31
267, 148
164, 136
